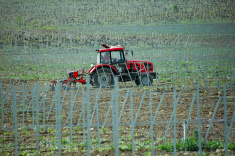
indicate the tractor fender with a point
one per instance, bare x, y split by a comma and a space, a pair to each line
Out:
94, 68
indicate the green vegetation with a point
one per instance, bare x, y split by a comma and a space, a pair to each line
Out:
189, 144
192, 144
64, 14
175, 8
50, 143
231, 146
103, 130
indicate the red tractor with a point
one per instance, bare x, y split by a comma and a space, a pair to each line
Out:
111, 62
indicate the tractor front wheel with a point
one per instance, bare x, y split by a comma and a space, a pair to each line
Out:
144, 79
103, 77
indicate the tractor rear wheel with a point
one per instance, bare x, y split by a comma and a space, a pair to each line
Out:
145, 80
103, 77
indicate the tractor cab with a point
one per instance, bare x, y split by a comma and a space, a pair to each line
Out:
111, 55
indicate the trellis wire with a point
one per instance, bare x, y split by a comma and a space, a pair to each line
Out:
199, 121
73, 103
58, 117
110, 106
123, 106
132, 125
88, 115
97, 117
225, 120
71, 115
15, 119
212, 119
53, 100
231, 125
154, 118
139, 107
96, 103
7, 91
172, 115
24, 94
190, 111
83, 115
37, 118
2, 105
115, 109
31, 102
151, 120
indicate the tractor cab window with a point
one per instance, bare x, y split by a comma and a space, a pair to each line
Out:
105, 57
117, 57
111, 57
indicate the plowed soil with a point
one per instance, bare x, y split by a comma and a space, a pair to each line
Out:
142, 109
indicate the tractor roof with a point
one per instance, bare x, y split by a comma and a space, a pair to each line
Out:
112, 48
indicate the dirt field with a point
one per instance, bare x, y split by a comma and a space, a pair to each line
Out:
141, 103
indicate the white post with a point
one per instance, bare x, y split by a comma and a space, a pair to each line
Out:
184, 126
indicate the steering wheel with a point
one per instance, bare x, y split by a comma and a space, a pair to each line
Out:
114, 59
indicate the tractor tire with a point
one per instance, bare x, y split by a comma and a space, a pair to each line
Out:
103, 77
145, 80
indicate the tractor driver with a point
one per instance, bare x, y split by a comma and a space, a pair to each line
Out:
106, 57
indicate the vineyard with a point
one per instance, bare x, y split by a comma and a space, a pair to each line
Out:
188, 110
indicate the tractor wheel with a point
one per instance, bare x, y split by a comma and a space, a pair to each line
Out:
103, 77
146, 79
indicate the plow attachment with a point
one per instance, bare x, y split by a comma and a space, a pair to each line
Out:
73, 78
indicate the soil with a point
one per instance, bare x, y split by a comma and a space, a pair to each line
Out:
141, 104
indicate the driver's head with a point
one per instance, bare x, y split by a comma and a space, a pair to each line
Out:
106, 54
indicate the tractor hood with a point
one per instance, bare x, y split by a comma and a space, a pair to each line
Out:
140, 65
137, 61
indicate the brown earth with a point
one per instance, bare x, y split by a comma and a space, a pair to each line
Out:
141, 129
